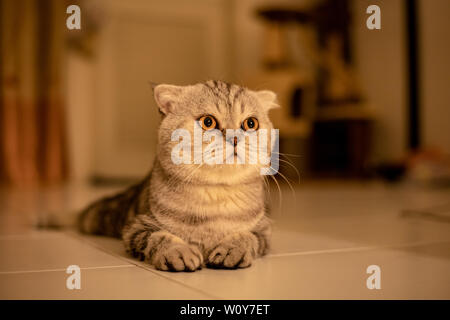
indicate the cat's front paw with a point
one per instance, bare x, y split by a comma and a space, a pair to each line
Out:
178, 257
230, 256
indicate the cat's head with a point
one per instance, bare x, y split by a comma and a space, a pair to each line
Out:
196, 142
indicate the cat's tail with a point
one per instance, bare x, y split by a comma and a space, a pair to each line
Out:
102, 217
109, 215
106, 216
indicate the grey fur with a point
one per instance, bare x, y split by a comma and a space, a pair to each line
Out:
182, 217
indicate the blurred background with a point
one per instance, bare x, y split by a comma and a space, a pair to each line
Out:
363, 119
76, 106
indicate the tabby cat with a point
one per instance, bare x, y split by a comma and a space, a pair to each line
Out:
185, 216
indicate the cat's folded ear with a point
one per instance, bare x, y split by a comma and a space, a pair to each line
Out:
166, 96
268, 99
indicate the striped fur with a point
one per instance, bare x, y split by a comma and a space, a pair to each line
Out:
183, 217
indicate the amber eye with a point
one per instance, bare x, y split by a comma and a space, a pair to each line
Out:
250, 124
208, 122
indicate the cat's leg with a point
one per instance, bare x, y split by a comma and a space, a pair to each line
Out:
263, 232
238, 250
160, 248
234, 251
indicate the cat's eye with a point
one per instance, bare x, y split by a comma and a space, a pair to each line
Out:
208, 122
250, 124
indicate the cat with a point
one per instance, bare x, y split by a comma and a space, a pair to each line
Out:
182, 217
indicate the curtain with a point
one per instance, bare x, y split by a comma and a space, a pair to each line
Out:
32, 125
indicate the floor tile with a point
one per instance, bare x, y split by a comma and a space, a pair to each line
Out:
110, 283
309, 234
404, 275
110, 245
20, 209
353, 199
283, 242
325, 236
371, 230
321, 216
49, 250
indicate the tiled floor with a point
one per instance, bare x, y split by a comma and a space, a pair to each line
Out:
325, 237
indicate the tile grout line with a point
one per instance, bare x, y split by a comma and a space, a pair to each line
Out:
177, 281
29, 236
64, 269
356, 249
135, 264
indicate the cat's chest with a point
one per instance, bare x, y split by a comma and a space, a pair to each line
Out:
196, 212
204, 213
216, 201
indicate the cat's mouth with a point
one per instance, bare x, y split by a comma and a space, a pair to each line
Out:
235, 153
233, 156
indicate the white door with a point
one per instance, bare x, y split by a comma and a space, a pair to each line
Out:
172, 41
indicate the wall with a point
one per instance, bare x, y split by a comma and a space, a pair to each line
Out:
435, 70
79, 109
381, 60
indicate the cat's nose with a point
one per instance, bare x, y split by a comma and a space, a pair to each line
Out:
233, 140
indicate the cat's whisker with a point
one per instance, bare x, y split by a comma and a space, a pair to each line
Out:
288, 154
280, 197
287, 161
292, 166
290, 186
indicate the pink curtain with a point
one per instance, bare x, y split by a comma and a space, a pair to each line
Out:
32, 125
